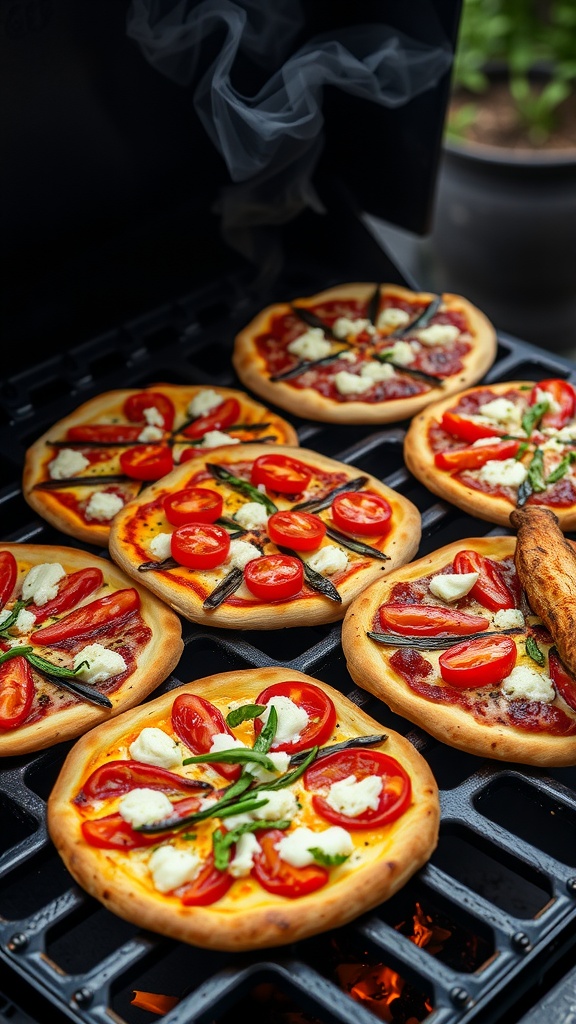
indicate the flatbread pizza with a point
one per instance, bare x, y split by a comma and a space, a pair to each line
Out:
255, 537
79, 473
500, 446
79, 643
244, 810
364, 353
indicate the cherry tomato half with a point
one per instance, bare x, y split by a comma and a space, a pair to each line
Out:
104, 433
8, 576
393, 800
490, 588
73, 589
274, 577
117, 777
317, 705
114, 833
16, 692
465, 429
104, 612
193, 505
429, 620
278, 876
484, 661
208, 886
563, 681
472, 458
280, 473
223, 415
196, 721
135, 405
299, 530
564, 395
362, 512
200, 545
147, 461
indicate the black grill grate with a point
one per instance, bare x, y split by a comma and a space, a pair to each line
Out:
501, 887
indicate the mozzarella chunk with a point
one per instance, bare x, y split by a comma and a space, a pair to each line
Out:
241, 552
451, 586
154, 746
525, 683
102, 663
144, 806
151, 433
171, 867
351, 383
503, 472
347, 356
295, 847
203, 402
282, 804
280, 759
161, 546
508, 618
343, 327
501, 411
402, 352
247, 847
393, 317
252, 515
41, 582
67, 463
23, 623
216, 438
313, 344
352, 798
438, 334
376, 371
546, 396
103, 506
153, 417
223, 741
328, 560
292, 719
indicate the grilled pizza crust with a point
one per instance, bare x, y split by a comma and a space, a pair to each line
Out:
186, 589
248, 917
492, 507
158, 657
309, 402
368, 663
107, 407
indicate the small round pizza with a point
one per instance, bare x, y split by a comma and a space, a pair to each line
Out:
83, 470
254, 537
453, 642
364, 353
497, 447
79, 643
244, 810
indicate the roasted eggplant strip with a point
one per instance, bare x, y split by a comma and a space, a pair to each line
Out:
228, 586
435, 643
318, 504
334, 748
546, 565
422, 320
314, 579
356, 545
83, 481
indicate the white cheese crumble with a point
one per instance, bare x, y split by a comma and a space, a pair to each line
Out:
103, 506
328, 560
102, 663
343, 327
313, 344
452, 586
224, 741
171, 867
154, 746
438, 334
292, 719
203, 402
241, 552
161, 546
23, 623
353, 798
280, 760
66, 464
503, 472
508, 618
402, 352
545, 396
247, 847
252, 515
295, 847
282, 804
41, 582
216, 438
347, 356
150, 433
144, 806
501, 411
525, 683
153, 417
393, 317
351, 383
376, 371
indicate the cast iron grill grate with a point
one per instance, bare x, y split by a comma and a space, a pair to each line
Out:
476, 937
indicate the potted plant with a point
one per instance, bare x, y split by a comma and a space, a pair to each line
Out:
504, 229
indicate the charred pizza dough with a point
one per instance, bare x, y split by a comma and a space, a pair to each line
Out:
142, 520
65, 506
491, 502
149, 639
247, 917
457, 358
493, 734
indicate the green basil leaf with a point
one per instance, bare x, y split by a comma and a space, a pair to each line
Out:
536, 472
234, 755
561, 469
534, 652
244, 714
329, 860
533, 415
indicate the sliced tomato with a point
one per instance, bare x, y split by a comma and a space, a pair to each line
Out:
73, 589
104, 433
472, 458
362, 512
483, 661
394, 798
274, 577
465, 429
283, 879
135, 405
208, 886
317, 705
95, 617
196, 721
8, 576
117, 777
114, 833
193, 505
200, 545
564, 395
565, 684
221, 416
299, 530
281, 473
490, 589
16, 692
429, 620
147, 461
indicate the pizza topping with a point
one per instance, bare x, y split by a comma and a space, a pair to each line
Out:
313, 344
103, 506
302, 531
394, 796
16, 692
144, 806
215, 419
200, 545
392, 316
277, 876
97, 616
147, 462
96, 664
236, 483
505, 473
252, 516
21, 624
560, 398
303, 846
421, 620
217, 438
482, 661
193, 505
242, 552
438, 334
362, 512
73, 588
67, 463
8, 576
476, 456
196, 721
564, 683
206, 400
114, 778
401, 353
280, 473
155, 747
171, 867
41, 582
508, 618
306, 713
328, 561
161, 547
274, 577
489, 588
151, 407
452, 586
525, 683
347, 383
352, 798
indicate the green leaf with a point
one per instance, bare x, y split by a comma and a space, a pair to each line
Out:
536, 472
534, 652
561, 468
533, 415
222, 841
329, 860
234, 755
244, 714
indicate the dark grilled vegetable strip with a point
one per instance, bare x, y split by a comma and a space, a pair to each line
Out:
83, 481
166, 563
242, 486
421, 320
227, 586
311, 364
356, 545
317, 504
428, 378
357, 741
435, 643
65, 678
314, 579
